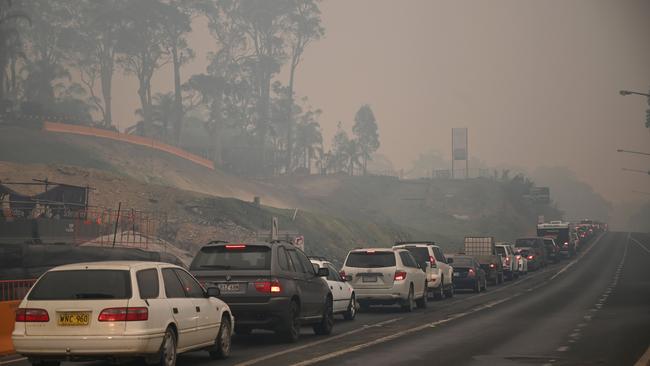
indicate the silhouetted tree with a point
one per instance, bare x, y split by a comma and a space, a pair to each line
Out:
365, 130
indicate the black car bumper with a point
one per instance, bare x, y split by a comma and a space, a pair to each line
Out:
268, 315
465, 283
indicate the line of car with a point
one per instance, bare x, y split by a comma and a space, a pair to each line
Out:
154, 311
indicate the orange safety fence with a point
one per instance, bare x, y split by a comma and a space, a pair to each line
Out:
131, 139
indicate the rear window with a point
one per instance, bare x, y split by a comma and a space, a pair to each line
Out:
526, 242
371, 259
523, 252
501, 251
421, 255
235, 257
462, 262
88, 284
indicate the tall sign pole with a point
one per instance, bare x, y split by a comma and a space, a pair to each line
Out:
459, 142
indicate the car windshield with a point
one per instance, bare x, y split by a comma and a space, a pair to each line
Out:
88, 284
371, 259
233, 257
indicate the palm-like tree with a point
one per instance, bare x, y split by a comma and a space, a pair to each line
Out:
9, 38
307, 140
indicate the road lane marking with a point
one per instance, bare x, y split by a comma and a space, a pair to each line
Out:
639, 244
563, 348
13, 361
311, 344
570, 264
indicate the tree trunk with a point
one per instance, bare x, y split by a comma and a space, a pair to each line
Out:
177, 119
106, 69
142, 93
290, 120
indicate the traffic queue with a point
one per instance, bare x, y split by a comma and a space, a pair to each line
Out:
155, 311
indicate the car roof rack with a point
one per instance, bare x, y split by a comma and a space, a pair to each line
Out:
218, 241
427, 242
317, 258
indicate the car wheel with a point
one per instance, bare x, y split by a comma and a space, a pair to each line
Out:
166, 356
325, 326
351, 313
407, 305
422, 302
450, 291
439, 292
222, 344
291, 331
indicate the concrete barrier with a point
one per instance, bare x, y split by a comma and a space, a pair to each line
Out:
131, 139
7, 319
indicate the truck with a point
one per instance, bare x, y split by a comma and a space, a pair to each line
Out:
561, 232
483, 249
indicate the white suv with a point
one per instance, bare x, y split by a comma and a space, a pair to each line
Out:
385, 276
115, 310
508, 260
439, 273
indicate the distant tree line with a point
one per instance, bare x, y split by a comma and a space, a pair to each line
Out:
60, 57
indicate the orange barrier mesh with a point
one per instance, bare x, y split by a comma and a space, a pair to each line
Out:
7, 320
131, 139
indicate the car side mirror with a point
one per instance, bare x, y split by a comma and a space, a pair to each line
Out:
450, 260
323, 272
212, 292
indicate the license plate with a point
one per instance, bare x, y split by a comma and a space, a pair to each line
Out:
231, 288
456, 274
73, 318
369, 279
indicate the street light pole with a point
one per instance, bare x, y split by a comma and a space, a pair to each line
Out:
632, 152
627, 92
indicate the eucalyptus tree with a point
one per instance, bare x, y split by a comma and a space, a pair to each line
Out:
367, 137
303, 27
141, 49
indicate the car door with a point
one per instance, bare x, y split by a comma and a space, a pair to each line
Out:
315, 286
414, 272
208, 322
149, 289
182, 307
340, 293
445, 268
302, 279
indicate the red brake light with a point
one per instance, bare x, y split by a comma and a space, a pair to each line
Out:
492, 265
124, 314
507, 260
400, 275
268, 287
32, 315
371, 251
471, 273
530, 257
236, 246
432, 260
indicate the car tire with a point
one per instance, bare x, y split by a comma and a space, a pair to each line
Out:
450, 291
166, 355
407, 304
351, 312
291, 330
326, 324
422, 302
439, 292
364, 306
223, 342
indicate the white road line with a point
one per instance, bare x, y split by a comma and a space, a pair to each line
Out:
329, 339
563, 348
641, 245
13, 361
570, 264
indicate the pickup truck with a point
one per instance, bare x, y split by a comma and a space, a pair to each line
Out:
483, 249
508, 260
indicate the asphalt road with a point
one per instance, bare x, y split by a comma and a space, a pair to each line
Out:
591, 310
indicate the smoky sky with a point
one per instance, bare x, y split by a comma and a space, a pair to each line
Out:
536, 82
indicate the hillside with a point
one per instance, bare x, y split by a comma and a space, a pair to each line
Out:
335, 212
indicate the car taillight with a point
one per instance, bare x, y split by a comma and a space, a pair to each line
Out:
507, 261
566, 244
432, 260
492, 265
124, 314
32, 316
400, 276
268, 287
530, 257
471, 273
344, 276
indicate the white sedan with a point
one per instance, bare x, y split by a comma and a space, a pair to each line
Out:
116, 310
342, 292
